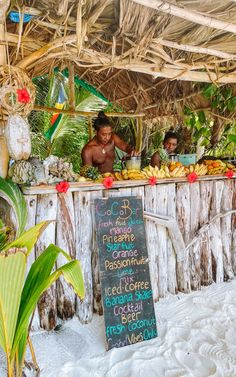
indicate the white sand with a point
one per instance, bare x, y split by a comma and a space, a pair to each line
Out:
197, 337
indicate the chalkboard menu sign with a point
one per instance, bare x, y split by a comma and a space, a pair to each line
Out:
124, 270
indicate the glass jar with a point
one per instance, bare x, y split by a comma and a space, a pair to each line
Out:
133, 162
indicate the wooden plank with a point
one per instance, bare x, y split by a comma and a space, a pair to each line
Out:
139, 192
65, 239
183, 210
171, 255
161, 208
150, 204
194, 251
206, 259
47, 210
183, 220
97, 292
31, 204
226, 229
83, 236
215, 232
90, 186
233, 225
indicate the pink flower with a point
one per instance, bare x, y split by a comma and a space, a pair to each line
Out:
107, 182
152, 181
229, 174
192, 177
23, 95
62, 186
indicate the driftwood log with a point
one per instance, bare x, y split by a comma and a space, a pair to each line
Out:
190, 232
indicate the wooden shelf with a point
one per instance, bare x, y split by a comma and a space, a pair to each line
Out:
90, 186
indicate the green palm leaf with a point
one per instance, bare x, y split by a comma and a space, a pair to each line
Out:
4, 235
12, 194
28, 238
12, 275
38, 281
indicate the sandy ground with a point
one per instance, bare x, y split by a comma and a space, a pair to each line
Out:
197, 337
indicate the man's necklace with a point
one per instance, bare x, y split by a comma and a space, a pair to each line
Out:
103, 147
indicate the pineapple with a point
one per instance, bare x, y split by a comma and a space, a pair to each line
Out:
91, 172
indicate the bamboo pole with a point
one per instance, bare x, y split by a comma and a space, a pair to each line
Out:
90, 128
71, 71
139, 135
85, 114
196, 49
189, 15
4, 156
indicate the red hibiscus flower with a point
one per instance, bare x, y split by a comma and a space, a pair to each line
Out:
62, 186
23, 95
229, 174
152, 181
192, 177
107, 182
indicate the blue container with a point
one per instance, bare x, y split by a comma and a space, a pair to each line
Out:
187, 159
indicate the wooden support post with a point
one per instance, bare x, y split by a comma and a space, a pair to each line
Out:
71, 86
65, 239
4, 156
85, 113
90, 123
47, 306
139, 138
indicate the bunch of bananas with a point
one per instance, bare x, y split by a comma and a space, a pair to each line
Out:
150, 171
199, 169
129, 174
178, 172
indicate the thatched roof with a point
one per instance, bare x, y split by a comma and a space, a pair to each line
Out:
141, 54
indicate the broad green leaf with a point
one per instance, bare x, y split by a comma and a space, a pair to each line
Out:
73, 275
187, 110
29, 238
231, 103
40, 270
201, 117
4, 235
227, 92
12, 275
12, 194
232, 138
210, 91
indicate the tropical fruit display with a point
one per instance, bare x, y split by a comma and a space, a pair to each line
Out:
199, 169
215, 166
173, 169
129, 174
91, 172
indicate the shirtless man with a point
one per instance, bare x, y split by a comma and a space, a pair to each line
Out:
170, 143
100, 151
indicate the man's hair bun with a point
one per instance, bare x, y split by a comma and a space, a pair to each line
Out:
102, 115
101, 121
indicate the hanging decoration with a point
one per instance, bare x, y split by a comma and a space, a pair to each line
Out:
18, 137
17, 92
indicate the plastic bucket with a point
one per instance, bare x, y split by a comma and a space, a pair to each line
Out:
187, 159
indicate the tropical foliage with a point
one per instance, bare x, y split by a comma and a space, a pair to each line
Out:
215, 127
19, 293
71, 133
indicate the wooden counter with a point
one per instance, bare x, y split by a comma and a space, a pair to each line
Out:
190, 230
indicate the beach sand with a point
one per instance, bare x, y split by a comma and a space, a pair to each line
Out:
197, 337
